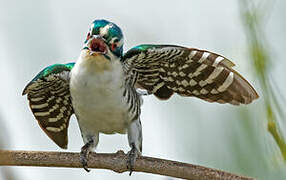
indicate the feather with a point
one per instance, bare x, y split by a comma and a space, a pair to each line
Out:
166, 69
50, 101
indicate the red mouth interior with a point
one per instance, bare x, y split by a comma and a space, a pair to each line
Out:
97, 45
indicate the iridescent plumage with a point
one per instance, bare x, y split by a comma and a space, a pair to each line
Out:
101, 87
50, 101
111, 33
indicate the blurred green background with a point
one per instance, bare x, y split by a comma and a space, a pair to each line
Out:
34, 34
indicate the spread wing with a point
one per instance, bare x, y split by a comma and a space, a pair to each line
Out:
50, 101
167, 69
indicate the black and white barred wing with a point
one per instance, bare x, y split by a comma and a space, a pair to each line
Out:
50, 101
166, 69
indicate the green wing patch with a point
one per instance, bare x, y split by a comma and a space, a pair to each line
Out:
50, 101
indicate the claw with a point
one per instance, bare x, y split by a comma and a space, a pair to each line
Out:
83, 160
84, 155
132, 155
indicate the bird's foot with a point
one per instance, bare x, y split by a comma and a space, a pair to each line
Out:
84, 155
132, 155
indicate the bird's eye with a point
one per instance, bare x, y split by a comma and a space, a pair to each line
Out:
113, 46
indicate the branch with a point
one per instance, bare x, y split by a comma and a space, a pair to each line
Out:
116, 162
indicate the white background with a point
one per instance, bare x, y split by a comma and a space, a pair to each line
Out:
35, 34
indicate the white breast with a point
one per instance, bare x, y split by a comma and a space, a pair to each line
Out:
96, 90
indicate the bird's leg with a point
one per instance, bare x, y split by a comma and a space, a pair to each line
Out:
84, 154
132, 155
135, 142
91, 141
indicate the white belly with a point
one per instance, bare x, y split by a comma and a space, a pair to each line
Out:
97, 98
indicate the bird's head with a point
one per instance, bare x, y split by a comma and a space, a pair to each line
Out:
104, 38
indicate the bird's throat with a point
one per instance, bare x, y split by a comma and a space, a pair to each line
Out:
96, 63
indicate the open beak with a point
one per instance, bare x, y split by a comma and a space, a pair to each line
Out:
96, 45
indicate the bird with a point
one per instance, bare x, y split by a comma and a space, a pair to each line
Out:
105, 86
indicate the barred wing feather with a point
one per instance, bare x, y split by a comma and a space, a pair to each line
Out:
50, 101
167, 69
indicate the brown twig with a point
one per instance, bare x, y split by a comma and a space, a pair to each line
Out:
115, 162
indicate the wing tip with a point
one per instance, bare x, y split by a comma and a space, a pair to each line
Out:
60, 139
248, 93
253, 96
163, 93
63, 146
240, 92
